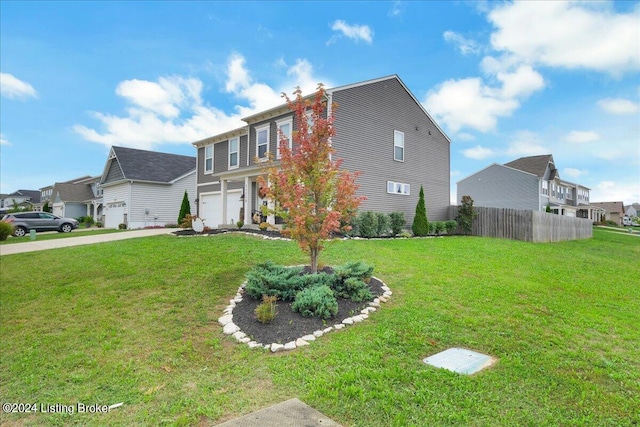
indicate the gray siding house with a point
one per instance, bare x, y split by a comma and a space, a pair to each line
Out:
528, 183
145, 188
381, 131
75, 198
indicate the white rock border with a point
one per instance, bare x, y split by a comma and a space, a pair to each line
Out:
230, 328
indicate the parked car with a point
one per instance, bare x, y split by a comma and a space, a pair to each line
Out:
23, 222
626, 221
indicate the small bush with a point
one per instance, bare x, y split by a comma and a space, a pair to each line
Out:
384, 224
316, 301
397, 222
263, 226
368, 225
187, 221
450, 226
267, 311
439, 227
6, 229
420, 226
282, 282
357, 269
354, 289
99, 224
240, 224
122, 226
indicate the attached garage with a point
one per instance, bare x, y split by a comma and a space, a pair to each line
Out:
211, 208
114, 215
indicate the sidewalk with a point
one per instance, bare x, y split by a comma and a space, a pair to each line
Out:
42, 245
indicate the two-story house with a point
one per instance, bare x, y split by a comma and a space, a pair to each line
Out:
22, 199
75, 198
528, 183
381, 130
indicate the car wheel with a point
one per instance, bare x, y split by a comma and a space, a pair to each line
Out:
19, 231
66, 228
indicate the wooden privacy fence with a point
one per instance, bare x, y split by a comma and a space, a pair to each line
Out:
530, 226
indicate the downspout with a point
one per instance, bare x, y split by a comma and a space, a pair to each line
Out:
129, 203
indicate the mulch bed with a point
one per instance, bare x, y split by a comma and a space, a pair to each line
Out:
290, 325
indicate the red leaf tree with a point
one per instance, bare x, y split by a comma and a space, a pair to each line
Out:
312, 195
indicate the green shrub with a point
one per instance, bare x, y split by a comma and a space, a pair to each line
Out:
122, 226
368, 225
281, 282
357, 269
99, 224
397, 222
438, 227
450, 226
240, 224
420, 226
6, 229
316, 301
266, 311
384, 224
466, 214
354, 289
185, 207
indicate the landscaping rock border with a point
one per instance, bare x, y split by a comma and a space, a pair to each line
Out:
230, 328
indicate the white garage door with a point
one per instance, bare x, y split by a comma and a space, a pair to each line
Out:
211, 208
114, 215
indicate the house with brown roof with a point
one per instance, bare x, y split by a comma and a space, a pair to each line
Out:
614, 210
528, 183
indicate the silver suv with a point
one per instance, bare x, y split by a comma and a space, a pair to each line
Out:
40, 221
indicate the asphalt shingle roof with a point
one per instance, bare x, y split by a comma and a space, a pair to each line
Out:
536, 165
142, 165
72, 192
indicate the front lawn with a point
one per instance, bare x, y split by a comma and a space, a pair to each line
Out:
51, 235
134, 321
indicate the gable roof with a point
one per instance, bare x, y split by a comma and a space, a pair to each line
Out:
32, 195
611, 207
69, 192
142, 165
536, 165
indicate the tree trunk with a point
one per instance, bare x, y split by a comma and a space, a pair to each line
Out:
314, 260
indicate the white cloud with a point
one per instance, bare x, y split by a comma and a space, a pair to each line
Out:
521, 83
581, 137
4, 140
468, 103
478, 152
618, 106
573, 173
465, 45
526, 143
568, 35
354, 32
397, 9
171, 109
13, 88
609, 191
463, 136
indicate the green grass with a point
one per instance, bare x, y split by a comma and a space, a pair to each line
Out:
51, 235
135, 321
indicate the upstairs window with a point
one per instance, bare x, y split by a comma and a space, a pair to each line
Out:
398, 146
208, 159
262, 142
233, 152
284, 129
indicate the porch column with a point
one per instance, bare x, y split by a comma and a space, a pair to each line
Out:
247, 200
271, 218
223, 194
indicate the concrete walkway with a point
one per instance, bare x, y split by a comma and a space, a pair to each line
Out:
36, 245
291, 413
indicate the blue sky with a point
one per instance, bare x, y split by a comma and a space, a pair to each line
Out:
504, 80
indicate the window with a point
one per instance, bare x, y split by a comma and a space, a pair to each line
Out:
208, 159
309, 114
398, 146
545, 188
234, 143
262, 142
285, 127
398, 188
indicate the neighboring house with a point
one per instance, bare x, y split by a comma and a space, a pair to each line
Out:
528, 183
145, 188
381, 130
23, 199
76, 198
632, 210
614, 210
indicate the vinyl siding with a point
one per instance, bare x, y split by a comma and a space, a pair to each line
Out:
365, 121
114, 173
161, 200
498, 186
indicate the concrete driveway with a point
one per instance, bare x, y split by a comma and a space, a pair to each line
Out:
35, 245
